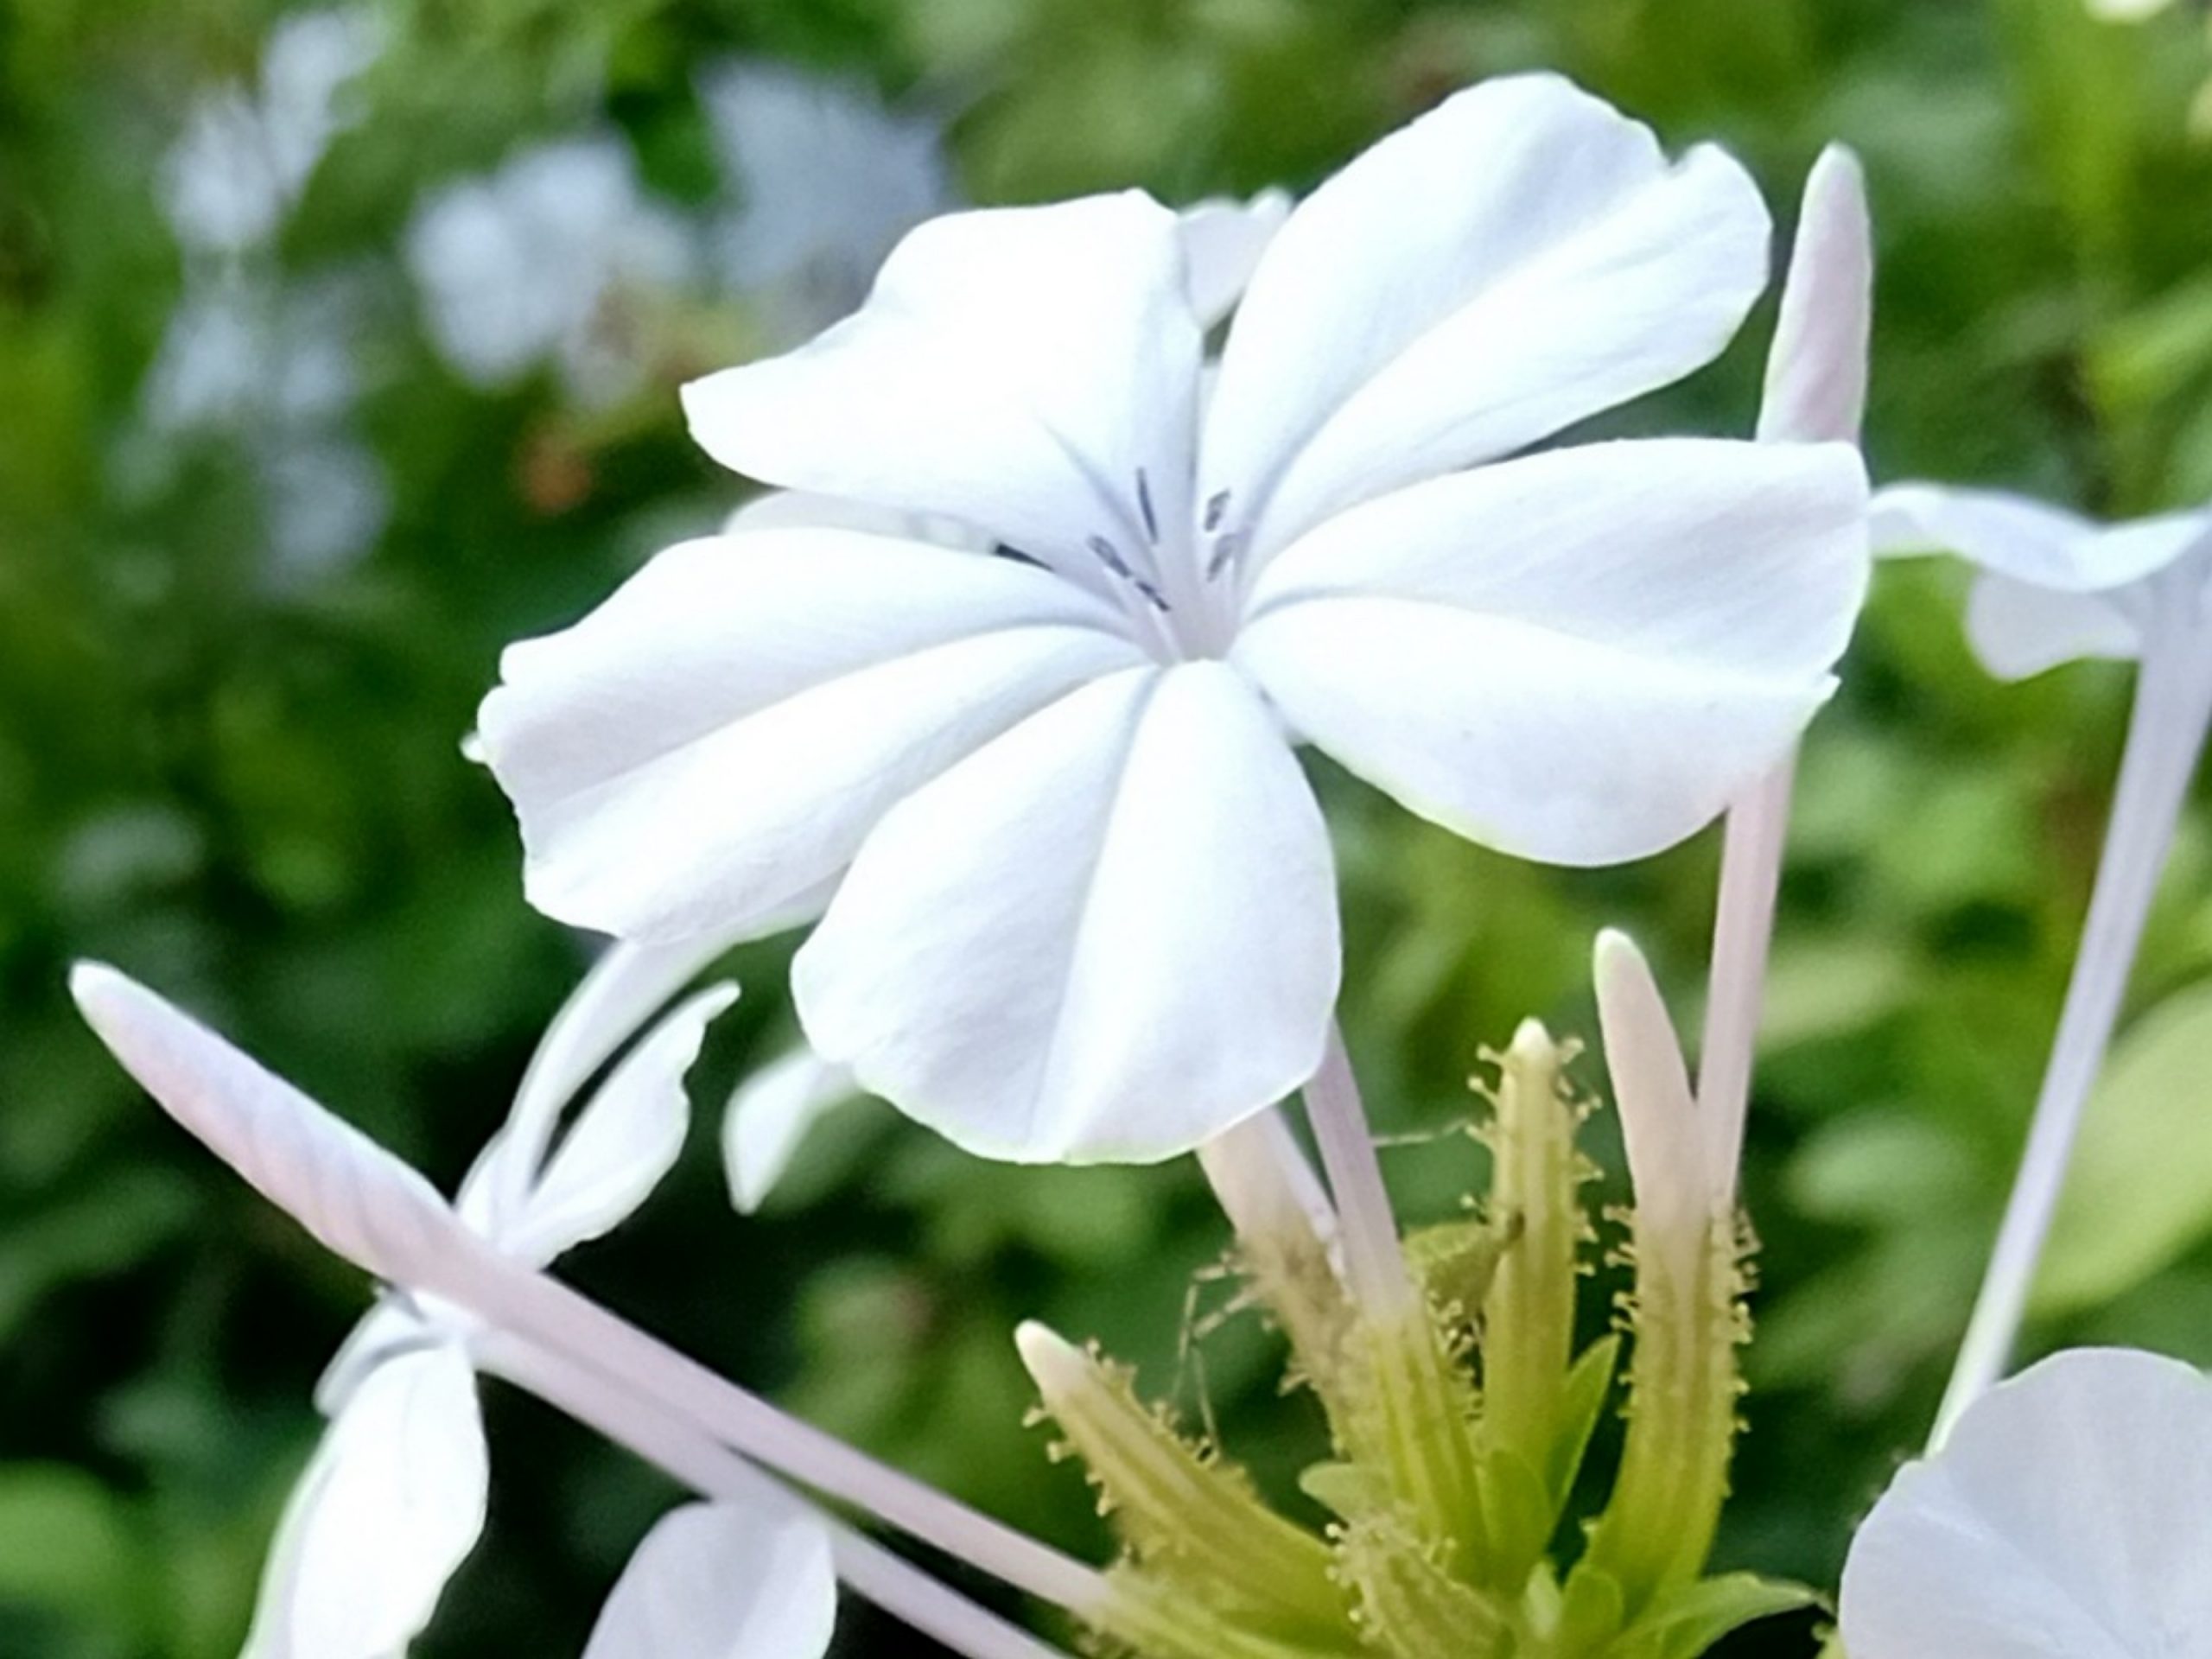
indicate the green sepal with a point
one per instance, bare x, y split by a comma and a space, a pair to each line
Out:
1518, 1516
1409, 1607
1410, 1416
1581, 1401
1150, 1617
1190, 1518
1684, 1623
1593, 1609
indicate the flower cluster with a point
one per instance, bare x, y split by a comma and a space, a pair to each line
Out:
1002, 692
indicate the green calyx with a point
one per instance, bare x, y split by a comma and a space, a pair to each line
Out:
1458, 1431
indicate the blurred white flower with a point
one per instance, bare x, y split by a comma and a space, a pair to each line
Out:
826, 181
246, 152
394, 1499
2054, 586
530, 264
1087, 908
2127, 11
2069, 1517
271, 366
723, 1580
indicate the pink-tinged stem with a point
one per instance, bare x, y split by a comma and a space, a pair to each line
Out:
1743, 936
899, 1588
1374, 1268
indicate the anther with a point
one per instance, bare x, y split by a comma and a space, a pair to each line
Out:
1225, 549
1144, 506
1110, 557
1217, 508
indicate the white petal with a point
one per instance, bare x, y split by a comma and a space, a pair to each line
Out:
625, 987
2028, 541
804, 510
769, 1116
390, 1506
2127, 11
722, 1581
1109, 935
1017, 368
2069, 1517
1816, 372
1520, 258
622, 1143
354, 1197
390, 1328
2018, 630
1579, 657
718, 736
1222, 240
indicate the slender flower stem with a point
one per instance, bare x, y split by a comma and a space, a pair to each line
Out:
2173, 702
1374, 1268
895, 1584
546, 1312
1743, 934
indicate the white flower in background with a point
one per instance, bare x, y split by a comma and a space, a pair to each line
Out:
2069, 1517
394, 1499
2127, 11
826, 180
723, 1580
272, 365
1087, 905
246, 152
527, 265
2054, 587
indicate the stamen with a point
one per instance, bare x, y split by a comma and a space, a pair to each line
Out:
1217, 508
1144, 506
1225, 549
1006, 551
1109, 555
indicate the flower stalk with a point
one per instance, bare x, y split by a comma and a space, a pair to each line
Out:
2165, 738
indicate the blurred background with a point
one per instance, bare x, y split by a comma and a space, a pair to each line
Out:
339, 347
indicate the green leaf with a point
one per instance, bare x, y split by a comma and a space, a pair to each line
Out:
2139, 1194
1683, 1624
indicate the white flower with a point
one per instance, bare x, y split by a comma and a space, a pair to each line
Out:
826, 181
723, 1580
2054, 585
1087, 904
394, 1499
2127, 11
2069, 1517
246, 152
520, 268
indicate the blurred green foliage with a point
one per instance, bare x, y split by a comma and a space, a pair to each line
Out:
240, 779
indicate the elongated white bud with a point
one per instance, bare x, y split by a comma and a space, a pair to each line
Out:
1816, 370
1678, 1191
356, 1198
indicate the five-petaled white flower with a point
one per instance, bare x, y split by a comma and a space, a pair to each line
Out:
2069, 1517
394, 1499
1085, 904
